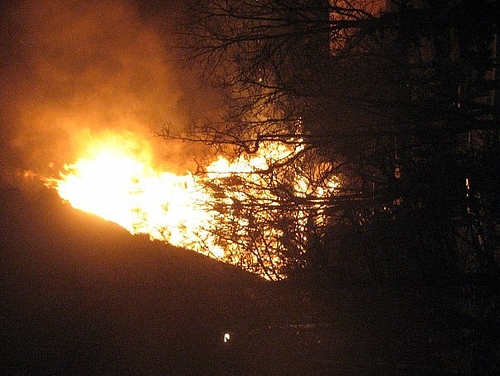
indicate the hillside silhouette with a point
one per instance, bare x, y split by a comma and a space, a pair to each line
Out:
82, 295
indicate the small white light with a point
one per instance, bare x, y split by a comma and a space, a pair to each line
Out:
227, 337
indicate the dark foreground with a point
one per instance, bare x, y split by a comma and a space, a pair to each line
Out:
81, 296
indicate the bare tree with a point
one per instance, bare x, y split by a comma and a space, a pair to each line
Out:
343, 88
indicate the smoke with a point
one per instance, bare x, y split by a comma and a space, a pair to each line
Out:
72, 70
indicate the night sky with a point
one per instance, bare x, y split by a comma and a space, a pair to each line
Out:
72, 70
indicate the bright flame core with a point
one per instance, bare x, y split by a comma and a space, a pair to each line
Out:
120, 187
230, 213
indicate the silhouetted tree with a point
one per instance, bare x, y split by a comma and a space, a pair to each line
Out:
380, 102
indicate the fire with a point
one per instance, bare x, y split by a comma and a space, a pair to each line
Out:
218, 213
118, 184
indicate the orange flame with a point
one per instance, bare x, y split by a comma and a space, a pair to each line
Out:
115, 181
118, 184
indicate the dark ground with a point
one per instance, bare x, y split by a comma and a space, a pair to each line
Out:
81, 296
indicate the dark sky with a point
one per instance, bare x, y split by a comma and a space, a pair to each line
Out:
72, 70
